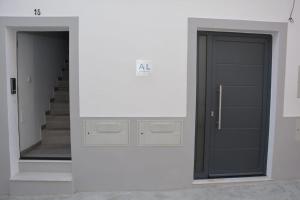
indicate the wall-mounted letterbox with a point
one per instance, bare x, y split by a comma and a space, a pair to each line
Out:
160, 132
106, 132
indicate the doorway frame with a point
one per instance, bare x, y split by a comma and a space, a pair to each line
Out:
9, 26
278, 30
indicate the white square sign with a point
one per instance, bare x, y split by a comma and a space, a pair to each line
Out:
143, 67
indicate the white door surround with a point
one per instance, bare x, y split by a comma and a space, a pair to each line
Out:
9, 26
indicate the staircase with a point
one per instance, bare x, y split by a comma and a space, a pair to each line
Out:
55, 143
56, 131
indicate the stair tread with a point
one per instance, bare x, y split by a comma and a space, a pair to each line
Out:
42, 176
60, 166
61, 87
64, 92
55, 113
58, 123
60, 103
57, 129
56, 117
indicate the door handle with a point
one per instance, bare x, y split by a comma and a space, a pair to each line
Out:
220, 107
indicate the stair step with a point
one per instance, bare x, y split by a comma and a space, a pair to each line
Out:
61, 88
63, 78
54, 140
42, 176
62, 83
41, 183
59, 112
55, 132
58, 117
58, 125
58, 121
62, 93
61, 97
51, 166
60, 108
65, 73
56, 137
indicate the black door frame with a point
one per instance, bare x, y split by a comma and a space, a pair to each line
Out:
204, 164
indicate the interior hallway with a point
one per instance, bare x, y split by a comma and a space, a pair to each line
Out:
270, 190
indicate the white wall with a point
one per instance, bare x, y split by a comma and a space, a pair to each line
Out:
291, 102
4, 144
40, 58
113, 34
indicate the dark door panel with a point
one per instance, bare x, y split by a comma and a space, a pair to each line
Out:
243, 75
248, 138
242, 51
241, 161
240, 117
237, 104
248, 95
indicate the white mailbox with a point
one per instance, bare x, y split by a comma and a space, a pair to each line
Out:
106, 132
160, 132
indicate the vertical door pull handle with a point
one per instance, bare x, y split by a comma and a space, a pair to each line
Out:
220, 107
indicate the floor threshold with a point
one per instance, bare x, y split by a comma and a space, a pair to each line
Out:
232, 180
43, 161
42, 176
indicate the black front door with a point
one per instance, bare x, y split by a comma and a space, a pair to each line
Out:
233, 96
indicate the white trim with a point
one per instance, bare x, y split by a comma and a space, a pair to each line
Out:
231, 180
8, 28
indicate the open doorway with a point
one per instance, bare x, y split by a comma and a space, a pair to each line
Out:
43, 95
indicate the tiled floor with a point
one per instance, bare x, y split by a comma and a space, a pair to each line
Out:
271, 190
49, 151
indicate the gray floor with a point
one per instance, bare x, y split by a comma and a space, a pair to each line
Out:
271, 190
49, 151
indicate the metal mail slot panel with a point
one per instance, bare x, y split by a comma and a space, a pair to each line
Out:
160, 132
106, 132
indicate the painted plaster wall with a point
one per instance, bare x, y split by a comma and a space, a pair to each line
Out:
4, 145
112, 34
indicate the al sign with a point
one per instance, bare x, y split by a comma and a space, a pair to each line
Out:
143, 67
